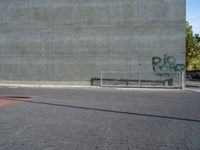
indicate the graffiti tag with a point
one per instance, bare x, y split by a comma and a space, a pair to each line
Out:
166, 64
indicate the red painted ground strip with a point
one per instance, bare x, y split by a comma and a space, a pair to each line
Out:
8, 100
4, 102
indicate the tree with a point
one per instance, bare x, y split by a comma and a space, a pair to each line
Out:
192, 49
197, 38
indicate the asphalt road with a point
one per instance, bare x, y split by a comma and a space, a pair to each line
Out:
99, 119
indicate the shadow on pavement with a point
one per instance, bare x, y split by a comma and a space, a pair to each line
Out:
107, 110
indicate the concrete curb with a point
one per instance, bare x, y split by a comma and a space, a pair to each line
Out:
42, 86
85, 87
194, 90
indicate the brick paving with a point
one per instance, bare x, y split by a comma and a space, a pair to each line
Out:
100, 119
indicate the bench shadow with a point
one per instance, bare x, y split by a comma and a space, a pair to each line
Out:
107, 110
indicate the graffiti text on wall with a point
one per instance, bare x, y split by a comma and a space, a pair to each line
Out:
166, 64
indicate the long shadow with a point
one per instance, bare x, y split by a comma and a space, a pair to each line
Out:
107, 110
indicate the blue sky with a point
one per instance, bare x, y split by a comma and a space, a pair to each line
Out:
193, 14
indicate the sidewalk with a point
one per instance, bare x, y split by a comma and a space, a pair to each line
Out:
193, 86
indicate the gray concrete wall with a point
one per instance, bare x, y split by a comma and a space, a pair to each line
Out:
73, 40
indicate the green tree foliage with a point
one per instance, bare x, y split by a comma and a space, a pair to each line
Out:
192, 49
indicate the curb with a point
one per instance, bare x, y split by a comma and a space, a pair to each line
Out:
193, 90
86, 87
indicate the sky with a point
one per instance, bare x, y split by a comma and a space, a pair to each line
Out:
193, 14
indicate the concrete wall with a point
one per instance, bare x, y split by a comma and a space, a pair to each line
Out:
73, 40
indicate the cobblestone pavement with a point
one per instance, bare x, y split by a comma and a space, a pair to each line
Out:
100, 119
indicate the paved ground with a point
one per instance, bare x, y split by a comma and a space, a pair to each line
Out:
193, 84
100, 119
